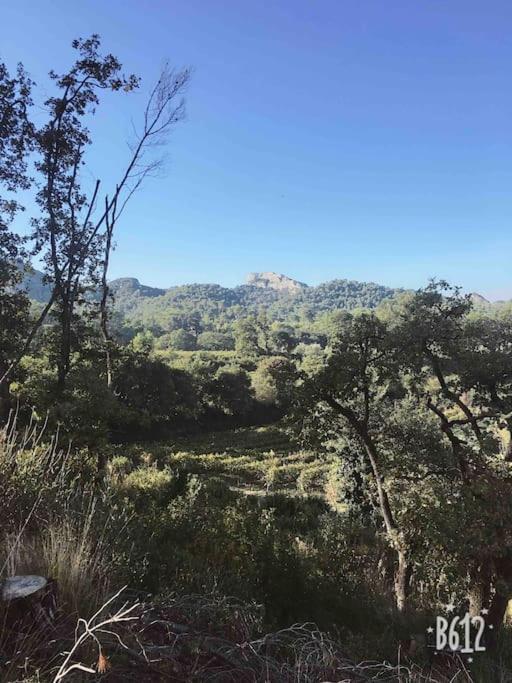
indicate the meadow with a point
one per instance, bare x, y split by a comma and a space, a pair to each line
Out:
254, 461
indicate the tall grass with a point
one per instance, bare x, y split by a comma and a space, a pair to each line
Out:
68, 552
49, 527
48, 519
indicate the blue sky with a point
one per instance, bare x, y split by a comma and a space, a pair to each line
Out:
361, 139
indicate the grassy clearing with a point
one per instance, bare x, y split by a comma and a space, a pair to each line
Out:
255, 461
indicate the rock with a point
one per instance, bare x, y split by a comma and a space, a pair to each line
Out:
281, 283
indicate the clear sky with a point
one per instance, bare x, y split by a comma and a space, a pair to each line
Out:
362, 139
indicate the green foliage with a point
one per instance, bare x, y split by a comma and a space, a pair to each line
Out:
83, 410
143, 343
215, 341
181, 340
205, 532
415, 402
247, 338
16, 142
274, 380
202, 308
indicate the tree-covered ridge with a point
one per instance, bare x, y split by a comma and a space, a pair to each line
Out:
339, 293
229, 304
207, 316
216, 309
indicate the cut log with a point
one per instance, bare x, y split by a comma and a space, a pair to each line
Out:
22, 586
29, 601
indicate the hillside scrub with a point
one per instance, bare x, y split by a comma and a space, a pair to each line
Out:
152, 526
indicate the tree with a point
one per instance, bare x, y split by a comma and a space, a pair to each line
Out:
143, 343
282, 339
16, 141
215, 341
460, 369
247, 339
230, 391
274, 381
74, 227
355, 391
64, 233
151, 392
181, 340
424, 387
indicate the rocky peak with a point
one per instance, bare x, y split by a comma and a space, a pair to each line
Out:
479, 300
270, 280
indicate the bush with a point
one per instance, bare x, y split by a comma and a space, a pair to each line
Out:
119, 467
181, 340
215, 341
273, 381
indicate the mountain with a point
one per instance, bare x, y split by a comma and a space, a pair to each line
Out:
280, 283
128, 292
278, 296
266, 289
130, 286
480, 301
34, 285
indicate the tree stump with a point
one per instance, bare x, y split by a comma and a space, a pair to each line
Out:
28, 602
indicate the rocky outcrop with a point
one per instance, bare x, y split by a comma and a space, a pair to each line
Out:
270, 280
478, 300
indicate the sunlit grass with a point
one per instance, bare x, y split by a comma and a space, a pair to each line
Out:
255, 460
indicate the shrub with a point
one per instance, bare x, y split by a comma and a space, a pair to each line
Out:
215, 341
118, 467
181, 340
73, 554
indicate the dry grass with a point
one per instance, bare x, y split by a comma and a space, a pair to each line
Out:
212, 639
47, 529
61, 543
67, 552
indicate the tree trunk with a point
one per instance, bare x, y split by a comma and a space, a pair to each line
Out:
69, 299
105, 292
502, 594
404, 570
5, 397
65, 346
508, 448
403, 575
479, 594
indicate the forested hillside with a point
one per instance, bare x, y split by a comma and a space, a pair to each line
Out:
131, 295
179, 315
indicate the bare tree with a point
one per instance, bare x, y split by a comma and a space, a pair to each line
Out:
165, 108
72, 232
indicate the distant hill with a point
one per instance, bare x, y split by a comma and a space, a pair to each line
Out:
128, 292
279, 296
